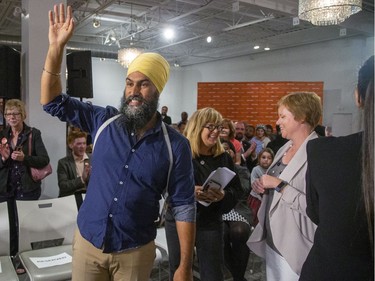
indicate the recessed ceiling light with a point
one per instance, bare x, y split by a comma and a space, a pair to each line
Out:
169, 33
256, 47
267, 48
209, 39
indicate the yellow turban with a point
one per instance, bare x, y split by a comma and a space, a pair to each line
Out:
154, 66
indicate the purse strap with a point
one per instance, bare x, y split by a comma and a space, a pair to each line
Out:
30, 137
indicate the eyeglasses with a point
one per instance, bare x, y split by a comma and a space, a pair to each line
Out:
212, 127
12, 114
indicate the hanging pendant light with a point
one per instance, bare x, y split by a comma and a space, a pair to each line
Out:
328, 12
127, 55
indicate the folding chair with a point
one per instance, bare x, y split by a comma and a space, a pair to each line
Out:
7, 271
46, 230
80, 196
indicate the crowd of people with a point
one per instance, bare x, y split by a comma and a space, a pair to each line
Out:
311, 215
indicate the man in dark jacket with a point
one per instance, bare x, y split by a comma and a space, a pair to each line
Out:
73, 171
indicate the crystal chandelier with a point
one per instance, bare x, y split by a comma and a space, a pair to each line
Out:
127, 55
328, 12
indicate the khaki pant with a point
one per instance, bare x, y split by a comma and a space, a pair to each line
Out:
91, 264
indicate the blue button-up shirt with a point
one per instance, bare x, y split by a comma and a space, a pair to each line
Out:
128, 176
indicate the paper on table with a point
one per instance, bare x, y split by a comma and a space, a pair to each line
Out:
218, 178
42, 262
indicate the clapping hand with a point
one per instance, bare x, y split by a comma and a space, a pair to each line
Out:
18, 154
86, 172
4, 149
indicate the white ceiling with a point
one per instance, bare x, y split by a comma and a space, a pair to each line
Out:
235, 27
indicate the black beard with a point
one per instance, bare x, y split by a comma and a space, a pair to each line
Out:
239, 137
136, 118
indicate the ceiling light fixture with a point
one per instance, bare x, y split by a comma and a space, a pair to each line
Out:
323, 12
96, 23
267, 48
18, 11
256, 47
169, 33
110, 38
127, 55
209, 39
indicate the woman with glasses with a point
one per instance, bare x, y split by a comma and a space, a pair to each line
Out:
16, 159
202, 131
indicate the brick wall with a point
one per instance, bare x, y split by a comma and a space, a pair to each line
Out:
253, 102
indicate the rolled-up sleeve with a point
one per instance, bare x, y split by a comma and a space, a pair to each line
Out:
185, 213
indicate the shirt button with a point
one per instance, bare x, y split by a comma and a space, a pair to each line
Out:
126, 166
133, 150
115, 199
121, 182
110, 215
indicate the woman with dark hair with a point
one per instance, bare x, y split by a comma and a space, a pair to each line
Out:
228, 133
340, 196
261, 139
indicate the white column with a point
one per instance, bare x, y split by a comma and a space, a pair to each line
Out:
34, 48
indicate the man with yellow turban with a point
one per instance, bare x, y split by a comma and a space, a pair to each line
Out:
130, 169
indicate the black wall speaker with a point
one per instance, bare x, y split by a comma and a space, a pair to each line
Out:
79, 74
10, 78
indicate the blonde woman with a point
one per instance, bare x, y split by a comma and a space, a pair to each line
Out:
16, 182
202, 131
284, 234
15, 177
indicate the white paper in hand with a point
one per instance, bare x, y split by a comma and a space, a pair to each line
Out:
218, 179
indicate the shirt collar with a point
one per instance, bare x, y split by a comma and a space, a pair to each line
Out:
85, 156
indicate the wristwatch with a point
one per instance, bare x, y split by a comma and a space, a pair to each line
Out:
280, 186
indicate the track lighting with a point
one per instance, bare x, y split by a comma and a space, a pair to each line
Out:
96, 23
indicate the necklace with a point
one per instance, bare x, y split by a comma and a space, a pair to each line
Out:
290, 146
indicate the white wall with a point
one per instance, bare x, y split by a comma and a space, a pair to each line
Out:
34, 50
336, 63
